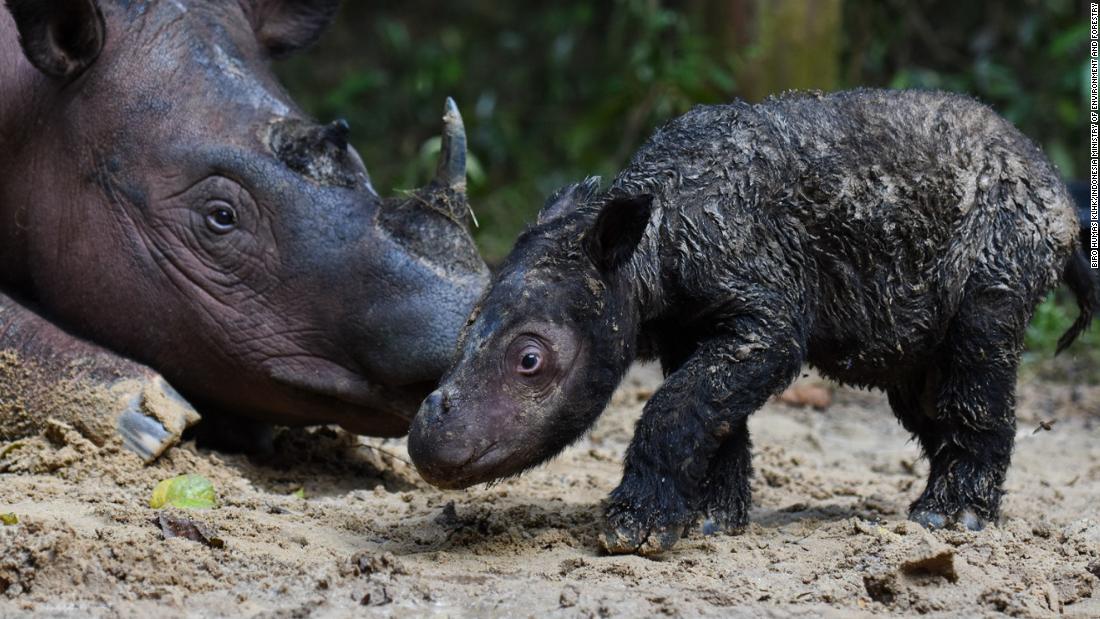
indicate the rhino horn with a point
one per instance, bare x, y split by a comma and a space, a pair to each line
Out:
451, 170
447, 191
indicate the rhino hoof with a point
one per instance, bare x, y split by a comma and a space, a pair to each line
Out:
623, 534
154, 418
929, 519
969, 520
966, 518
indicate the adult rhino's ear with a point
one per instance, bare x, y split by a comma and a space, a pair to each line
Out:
60, 38
568, 198
618, 229
286, 26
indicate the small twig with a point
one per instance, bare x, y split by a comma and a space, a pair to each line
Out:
411, 193
386, 453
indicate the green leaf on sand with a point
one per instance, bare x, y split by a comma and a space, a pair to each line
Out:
185, 492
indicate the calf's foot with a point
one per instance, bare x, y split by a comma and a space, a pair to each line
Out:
966, 479
653, 521
966, 518
643, 522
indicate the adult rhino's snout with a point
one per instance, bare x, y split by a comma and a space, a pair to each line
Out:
394, 279
443, 274
419, 346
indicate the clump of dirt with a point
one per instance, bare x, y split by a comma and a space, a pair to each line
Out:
334, 524
27, 548
57, 447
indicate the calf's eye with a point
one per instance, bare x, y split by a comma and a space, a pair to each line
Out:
530, 361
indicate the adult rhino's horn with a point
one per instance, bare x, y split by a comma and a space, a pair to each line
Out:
451, 170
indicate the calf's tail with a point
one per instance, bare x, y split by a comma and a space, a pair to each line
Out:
1080, 277
1085, 284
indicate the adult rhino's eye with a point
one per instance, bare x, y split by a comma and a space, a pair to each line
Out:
221, 218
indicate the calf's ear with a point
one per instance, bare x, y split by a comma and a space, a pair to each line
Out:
285, 26
60, 38
569, 198
618, 229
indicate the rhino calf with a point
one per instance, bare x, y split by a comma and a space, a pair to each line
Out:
893, 239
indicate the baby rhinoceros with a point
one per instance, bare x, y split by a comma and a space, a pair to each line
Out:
892, 239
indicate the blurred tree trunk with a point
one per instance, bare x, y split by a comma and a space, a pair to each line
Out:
780, 44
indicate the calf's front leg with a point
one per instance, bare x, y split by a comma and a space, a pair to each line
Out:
49, 376
693, 419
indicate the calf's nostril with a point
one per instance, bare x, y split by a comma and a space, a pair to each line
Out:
437, 402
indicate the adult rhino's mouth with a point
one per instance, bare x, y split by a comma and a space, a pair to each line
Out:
321, 376
358, 397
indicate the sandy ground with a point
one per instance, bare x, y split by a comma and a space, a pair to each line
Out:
828, 537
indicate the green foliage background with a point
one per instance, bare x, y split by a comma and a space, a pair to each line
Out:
555, 91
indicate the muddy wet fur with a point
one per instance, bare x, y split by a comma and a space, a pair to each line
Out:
892, 239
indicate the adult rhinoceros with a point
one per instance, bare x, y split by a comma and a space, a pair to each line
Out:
169, 216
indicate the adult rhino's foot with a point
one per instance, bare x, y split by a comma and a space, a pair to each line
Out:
153, 416
966, 518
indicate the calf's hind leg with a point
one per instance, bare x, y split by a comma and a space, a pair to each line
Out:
971, 399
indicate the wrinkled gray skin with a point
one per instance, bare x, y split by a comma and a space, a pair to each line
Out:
167, 210
893, 239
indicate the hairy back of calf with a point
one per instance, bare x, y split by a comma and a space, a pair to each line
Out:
893, 239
